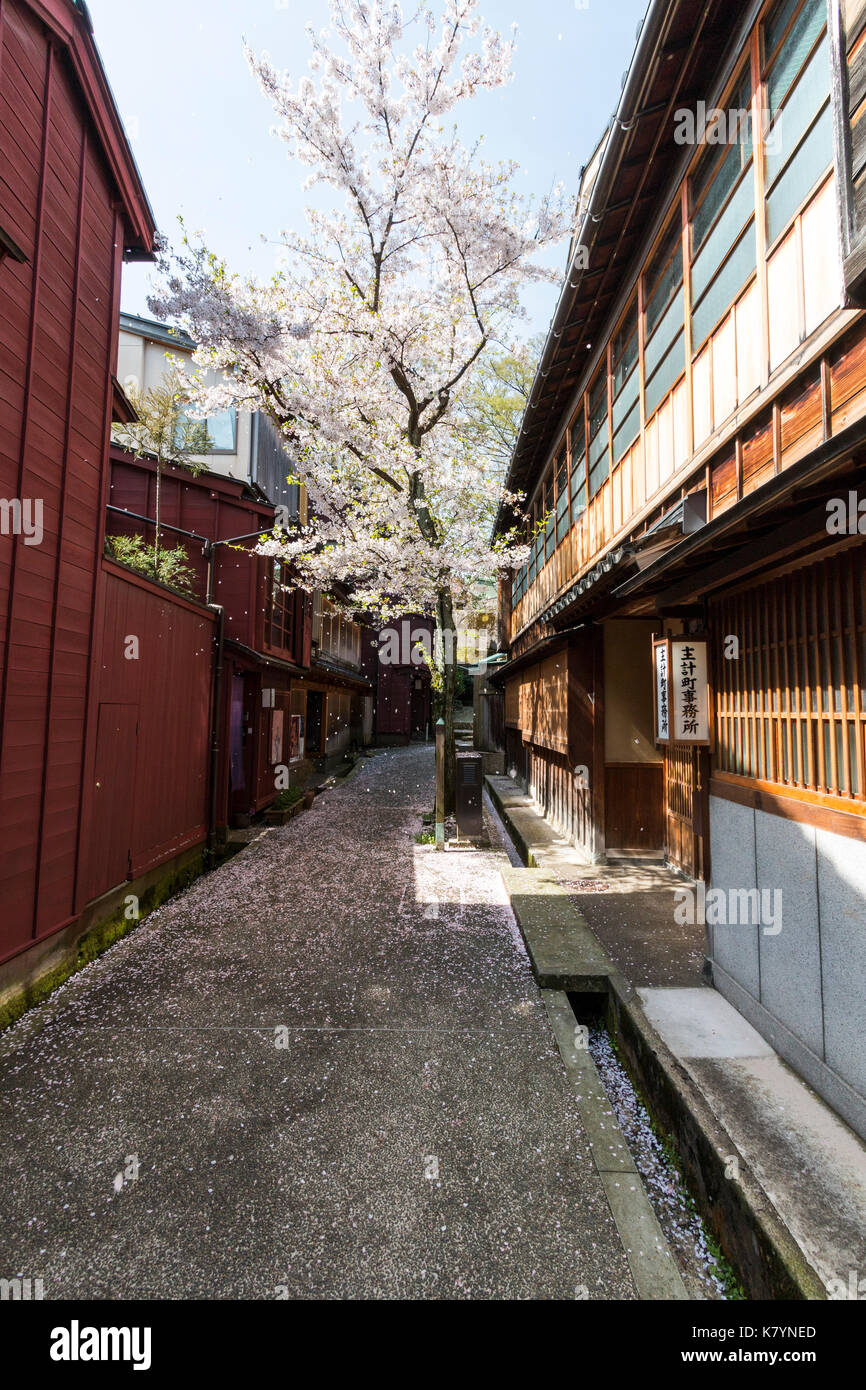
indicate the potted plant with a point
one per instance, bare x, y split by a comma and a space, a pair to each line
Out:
286, 805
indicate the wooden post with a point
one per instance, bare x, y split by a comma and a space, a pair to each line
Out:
440, 783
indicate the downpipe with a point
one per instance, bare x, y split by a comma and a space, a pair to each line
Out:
215, 740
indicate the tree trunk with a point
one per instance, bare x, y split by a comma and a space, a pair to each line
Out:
444, 703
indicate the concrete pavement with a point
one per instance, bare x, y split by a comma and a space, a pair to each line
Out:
324, 1071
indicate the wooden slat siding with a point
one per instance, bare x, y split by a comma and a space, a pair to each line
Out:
858, 145
169, 760
62, 806
90, 469
16, 808
857, 77
58, 331
816, 740
758, 456
801, 423
723, 485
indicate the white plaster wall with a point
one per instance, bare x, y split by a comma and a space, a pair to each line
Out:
141, 364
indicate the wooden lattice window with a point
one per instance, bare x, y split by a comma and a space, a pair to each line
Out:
562, 510
599, 435
625, 397
543, 703
799, 145
790, 707
282, 611
338, 637
664, 352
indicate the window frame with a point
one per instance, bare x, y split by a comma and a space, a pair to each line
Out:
603, 378
562, 503
281, 614
768, 63
670, 240
792, 716
634, 371
747, 173
578, 466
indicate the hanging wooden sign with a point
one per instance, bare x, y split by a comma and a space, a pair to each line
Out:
662, 688
690, 702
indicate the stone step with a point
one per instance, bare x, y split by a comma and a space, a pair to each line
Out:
563, 952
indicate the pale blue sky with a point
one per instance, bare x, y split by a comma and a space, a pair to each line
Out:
200, 128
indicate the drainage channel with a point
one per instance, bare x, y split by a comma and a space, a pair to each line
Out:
665, 1238
704, 1271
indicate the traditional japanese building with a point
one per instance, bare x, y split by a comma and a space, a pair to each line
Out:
687, 643
291, 695
352, 695
72, 209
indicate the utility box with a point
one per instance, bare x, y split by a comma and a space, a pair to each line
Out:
467, 794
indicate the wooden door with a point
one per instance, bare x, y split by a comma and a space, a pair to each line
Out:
113, 798
634, 807
685, 808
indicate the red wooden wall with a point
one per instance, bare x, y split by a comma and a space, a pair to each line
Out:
62, 163
148, 781
212, 507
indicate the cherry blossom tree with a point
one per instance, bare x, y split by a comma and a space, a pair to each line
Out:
361, 345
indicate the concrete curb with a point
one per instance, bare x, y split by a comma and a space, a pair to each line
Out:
567, 956
563, 951
750, 1231
506, 806
653, 1267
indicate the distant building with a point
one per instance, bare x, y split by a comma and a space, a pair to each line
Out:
246, 446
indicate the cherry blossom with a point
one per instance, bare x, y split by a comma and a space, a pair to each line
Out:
363, 341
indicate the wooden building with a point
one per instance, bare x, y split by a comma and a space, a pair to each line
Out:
697, 427
72, 208
400, 680
292, 690
395, 706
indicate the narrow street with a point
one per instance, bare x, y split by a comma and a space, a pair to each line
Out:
325, 1070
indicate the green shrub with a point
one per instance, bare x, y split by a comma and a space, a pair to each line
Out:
171, 569
287, 798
